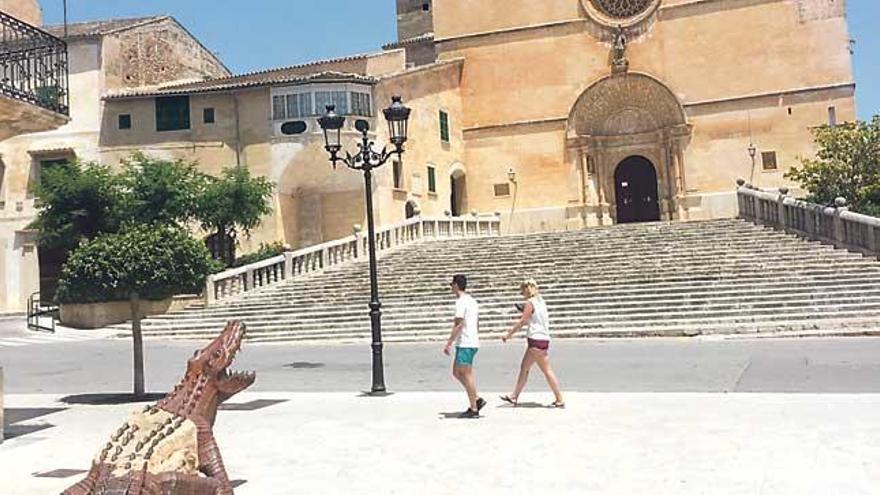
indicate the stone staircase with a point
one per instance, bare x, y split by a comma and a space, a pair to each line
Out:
659, 279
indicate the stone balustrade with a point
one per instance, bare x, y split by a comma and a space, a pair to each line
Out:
313, 259
834, 225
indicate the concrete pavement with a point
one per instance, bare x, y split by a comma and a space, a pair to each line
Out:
827, 365
339, 443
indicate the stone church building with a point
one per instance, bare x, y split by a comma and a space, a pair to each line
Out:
558, 114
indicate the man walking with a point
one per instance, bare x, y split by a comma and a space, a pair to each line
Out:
467, 342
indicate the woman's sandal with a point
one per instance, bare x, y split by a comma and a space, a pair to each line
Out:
558, 405
506, 398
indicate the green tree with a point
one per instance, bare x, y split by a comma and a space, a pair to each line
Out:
234, 202
160, 191
77, 202
847, 164
142, 262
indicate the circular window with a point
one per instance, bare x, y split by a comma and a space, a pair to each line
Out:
622, 9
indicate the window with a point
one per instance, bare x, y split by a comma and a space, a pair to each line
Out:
444, 126
832, 116
208, 115
432, 180
768, 158
502, 190
38, 167
299, 105
125, 121
278, 107
172, 113
426, 6
338, 98
361, 105
398, 174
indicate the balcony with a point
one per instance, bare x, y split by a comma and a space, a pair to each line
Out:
33, 79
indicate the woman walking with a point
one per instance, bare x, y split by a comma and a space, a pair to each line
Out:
536, 320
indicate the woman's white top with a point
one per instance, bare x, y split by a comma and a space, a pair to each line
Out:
539, 322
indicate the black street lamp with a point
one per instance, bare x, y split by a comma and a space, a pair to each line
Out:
366, 159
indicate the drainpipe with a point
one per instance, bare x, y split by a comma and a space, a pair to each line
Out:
237, 131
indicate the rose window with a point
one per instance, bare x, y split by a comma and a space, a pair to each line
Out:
622, 9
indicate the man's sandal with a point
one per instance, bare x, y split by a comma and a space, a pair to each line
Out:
506, 398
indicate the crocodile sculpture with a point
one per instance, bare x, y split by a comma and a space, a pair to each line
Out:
163, 449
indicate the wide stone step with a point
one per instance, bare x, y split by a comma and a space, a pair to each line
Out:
329, 292
504, 306
584, 319
861, 326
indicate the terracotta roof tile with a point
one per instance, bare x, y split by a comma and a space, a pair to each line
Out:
244, 81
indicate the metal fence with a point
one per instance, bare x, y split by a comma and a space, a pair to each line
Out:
33, 65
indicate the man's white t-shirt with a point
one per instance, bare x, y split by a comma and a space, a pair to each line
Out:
466, 308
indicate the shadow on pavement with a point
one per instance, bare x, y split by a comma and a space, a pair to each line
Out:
14, 415
524, 405
109, 399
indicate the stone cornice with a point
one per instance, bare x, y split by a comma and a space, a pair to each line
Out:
692, 108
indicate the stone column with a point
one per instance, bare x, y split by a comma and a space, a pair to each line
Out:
601, 187
680, 183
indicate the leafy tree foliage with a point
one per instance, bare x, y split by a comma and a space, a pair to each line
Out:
847, 165
234, 202
78, 201
160, 191
153, 261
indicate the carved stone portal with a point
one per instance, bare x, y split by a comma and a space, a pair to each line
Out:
622, 116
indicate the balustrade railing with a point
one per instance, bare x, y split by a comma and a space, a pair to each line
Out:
834, 225
314, 259
33, 65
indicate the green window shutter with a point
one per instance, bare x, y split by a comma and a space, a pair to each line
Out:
432, 180
444, 126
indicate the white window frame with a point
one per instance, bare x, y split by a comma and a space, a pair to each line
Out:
313, 89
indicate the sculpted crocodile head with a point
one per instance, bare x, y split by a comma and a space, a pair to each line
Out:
215, 360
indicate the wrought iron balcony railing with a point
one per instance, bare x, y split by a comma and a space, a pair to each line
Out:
33, 65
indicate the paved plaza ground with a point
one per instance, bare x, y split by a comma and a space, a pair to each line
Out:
653, 416
339, 443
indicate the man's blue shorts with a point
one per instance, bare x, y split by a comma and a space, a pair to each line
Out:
464, 356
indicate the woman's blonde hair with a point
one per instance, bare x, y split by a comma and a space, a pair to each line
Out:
530, 286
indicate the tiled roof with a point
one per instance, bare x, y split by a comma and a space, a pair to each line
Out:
100, 28
409, 41
244, 81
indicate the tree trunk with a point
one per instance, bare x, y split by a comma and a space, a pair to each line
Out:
138, 345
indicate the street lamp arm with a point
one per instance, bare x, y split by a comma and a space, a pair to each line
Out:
367, 158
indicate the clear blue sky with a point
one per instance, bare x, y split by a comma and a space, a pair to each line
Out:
257, 34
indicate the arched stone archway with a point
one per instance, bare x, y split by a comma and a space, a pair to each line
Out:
627, 115
457, 190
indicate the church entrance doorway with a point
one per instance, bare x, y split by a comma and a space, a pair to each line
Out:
635, 187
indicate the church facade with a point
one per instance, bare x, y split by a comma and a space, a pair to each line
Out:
606, 111
558, 114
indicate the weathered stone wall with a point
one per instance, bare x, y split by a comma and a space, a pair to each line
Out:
156, 53
28, 11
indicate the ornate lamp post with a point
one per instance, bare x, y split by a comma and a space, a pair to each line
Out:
753, 151
365, 160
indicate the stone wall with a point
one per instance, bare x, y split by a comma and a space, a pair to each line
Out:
156, 53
